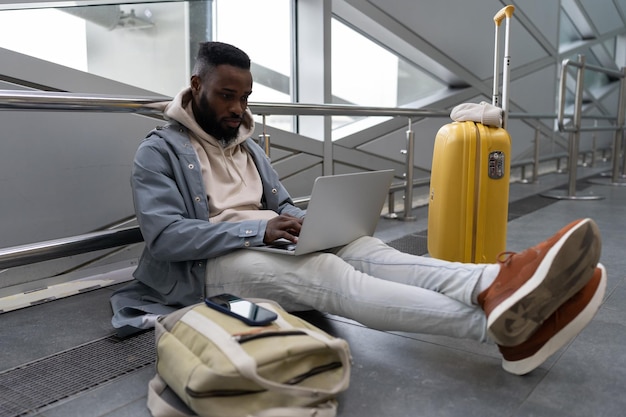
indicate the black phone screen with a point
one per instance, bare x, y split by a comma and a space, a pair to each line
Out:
245, 309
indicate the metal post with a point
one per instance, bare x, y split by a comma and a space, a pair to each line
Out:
391, 206
619, 134
408, 176
572, 158
264, 140
594, 146
536, 157
574, 143
617, 177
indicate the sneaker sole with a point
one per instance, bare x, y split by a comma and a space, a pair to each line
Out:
563, 337
565, 270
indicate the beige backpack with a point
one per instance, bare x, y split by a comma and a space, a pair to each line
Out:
220, 367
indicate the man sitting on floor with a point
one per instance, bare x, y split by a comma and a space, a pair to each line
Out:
204, 191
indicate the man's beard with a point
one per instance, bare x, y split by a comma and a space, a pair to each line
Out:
210, 124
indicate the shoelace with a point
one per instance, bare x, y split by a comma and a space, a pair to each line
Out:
505, 257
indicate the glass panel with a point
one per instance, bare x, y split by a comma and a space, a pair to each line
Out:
152, 45
610, 46
141, 44
366, 74
567, 31
594, 81
268, 43
21, 31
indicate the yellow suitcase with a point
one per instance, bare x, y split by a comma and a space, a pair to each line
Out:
469, 193
469, 181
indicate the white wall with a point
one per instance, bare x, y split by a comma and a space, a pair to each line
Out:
64, 173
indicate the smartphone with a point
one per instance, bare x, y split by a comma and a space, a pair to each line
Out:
244, 310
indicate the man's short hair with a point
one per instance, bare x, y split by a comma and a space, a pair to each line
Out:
212, 54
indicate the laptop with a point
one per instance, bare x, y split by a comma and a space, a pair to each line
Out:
342, 208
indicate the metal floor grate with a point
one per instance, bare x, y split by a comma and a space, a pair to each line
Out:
32, 386
527, 205
415, 244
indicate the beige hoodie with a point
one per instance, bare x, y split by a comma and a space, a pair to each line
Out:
229, 174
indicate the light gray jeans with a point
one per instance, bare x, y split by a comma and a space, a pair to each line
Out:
366, 281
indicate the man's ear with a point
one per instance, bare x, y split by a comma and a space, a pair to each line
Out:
195, 84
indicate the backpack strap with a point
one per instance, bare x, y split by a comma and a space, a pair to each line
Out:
158, 405
327, 409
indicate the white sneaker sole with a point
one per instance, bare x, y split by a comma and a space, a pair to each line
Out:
560, 275
564, 336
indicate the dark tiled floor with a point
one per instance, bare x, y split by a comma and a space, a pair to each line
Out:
397, 374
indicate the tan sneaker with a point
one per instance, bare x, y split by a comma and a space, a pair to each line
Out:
559, 329
532, 284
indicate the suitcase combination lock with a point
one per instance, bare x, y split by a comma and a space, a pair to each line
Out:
496, 165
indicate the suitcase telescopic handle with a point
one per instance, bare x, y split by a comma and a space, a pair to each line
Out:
504, 13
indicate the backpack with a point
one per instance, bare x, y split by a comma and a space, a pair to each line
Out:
218, 366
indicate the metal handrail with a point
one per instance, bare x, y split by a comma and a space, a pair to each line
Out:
55, 101
581, 65
73, 245
62, 101
152, 106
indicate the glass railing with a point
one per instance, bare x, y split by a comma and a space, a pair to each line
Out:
47, 101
